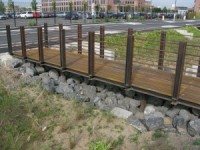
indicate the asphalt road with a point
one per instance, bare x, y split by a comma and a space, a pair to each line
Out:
71, 31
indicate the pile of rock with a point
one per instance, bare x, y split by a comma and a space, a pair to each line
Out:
158, 114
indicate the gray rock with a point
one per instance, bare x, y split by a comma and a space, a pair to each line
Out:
196, 112
178, 121
48, 84
111, 94
22, 70
96, 100
43, 75
121, 113
62, 78
72, 81
169, 129
134, 110
35, 80
104, 107
39, 69
54, 74
30, 71
89, 91
136, 123
154, 121
162, 109
185, 114
155, 101
182, 131
149, 109
101, 95
100, 87
28, 64
172, 112
119, 96
130, 93
82, 98
134, 103
194, 127
60, 88
139, 115
15, 63
111, 101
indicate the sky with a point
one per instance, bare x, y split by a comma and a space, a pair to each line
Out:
168, 3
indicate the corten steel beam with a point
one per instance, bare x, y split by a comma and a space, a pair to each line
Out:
143, 102
62, 50
9, 39
40, 45
91, 54
102, 41
79, 31
129, 58
179, 70
23, 42
60, 30
162, 50
198, 71
46, 40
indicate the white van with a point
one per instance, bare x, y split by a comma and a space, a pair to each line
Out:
27, 14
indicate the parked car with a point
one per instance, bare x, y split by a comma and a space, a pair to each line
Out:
88, 15
2, 16
44, 15
36, 14
61, 14
51, 14
72, 16
17, 15
110, 14
26, 15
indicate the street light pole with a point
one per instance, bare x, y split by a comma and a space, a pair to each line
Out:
175, 10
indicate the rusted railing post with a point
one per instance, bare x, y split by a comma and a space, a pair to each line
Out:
46, 40
143, 102
129, 58
40, 45
179, 70
198, 70
102, 38
79, 30
9, 39
62, 50
91, 54
60, 30
162, 50
23, 42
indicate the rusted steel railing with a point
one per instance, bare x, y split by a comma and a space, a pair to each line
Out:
162, 50
79, 30
62, 50
9, 39
91, 54
40, 45
46, 41
102, 41
23, 42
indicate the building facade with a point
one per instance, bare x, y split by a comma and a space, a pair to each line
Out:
197, 6
104, 5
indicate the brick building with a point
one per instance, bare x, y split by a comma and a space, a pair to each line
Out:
116, 5
196, 5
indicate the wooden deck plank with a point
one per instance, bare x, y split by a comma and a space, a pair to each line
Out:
158, 81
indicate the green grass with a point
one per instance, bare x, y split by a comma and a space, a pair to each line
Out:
135, 137
196, 142
109, 145
158, 134
17, 129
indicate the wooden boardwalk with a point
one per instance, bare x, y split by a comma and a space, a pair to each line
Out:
146, 79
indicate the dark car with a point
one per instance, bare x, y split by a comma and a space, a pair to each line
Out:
44, 15
120, 15
72, 16
110, 14
88, 15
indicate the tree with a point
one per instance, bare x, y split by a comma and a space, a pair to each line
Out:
109, 7
33, 5
53, 4
10, 5
164, 10
136, 8
128, 8
97, 8
84, 10
2, 6
118, 8
70, 6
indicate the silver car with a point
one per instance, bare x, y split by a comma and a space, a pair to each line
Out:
3, 16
